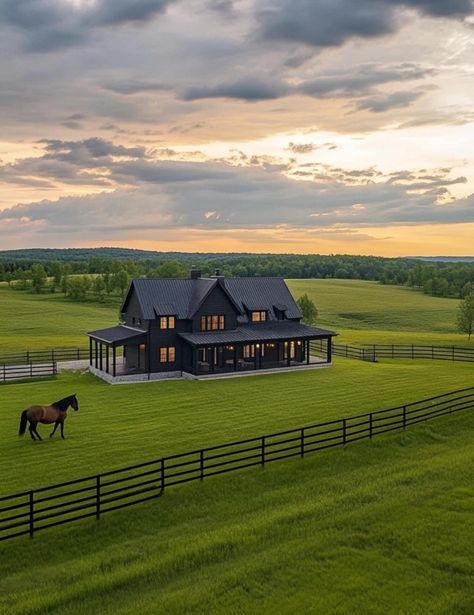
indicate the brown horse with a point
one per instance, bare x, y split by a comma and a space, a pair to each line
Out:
55, 413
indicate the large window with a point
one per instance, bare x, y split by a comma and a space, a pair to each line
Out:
249, 351
259, 316
167, 322
212, 323
167, 354
289, 347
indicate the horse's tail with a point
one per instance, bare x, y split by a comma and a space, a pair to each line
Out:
23, 422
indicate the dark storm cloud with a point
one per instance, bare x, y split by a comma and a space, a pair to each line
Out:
48, 25
330, 23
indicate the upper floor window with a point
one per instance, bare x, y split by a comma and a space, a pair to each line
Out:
259, 316
167, 322
212, 323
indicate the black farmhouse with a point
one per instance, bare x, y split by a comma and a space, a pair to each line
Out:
203, 326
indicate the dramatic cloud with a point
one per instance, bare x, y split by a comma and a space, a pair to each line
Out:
49, 25
331, 23
247, 88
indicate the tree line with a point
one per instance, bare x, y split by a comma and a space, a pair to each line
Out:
100, 267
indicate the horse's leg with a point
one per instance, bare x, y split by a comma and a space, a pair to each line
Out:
62, 430
55, 427
36, 431
32, 431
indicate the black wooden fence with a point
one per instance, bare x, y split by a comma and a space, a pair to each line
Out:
31, 511
51, 355
12, 373
373, 352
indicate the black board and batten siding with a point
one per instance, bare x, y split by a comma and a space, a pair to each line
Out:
28, 512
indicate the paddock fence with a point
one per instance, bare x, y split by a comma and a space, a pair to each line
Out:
28, 512
27, 371
52, 355
374, 352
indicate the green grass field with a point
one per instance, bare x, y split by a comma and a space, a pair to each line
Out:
29, 321
368, 312
379, 527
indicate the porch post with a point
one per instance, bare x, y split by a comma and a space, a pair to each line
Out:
235, 357
307, 352
195, 351
96, 357
329, 349
114, 361
90, 351
211, 354
107, 359
288, 353
101, 353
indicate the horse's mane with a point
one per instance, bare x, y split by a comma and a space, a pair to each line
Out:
63, 404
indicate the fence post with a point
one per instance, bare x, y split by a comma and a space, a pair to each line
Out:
97, 497
302, 441
32, 513
371, 428
4, 373
78, 354
27, 356
344, 431
453, 353
31, 369
412, 351
262, 446
404, 417
162, 475
201, 464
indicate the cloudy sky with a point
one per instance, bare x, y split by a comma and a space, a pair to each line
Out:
238, 125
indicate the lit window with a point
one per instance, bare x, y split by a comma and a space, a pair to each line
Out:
167, 322
168, 355
249, 351
260, 316
212, 323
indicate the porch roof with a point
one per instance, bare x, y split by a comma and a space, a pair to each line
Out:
263, 332
119, 335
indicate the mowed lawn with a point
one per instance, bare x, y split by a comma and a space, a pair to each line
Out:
379, 527
29, 321
125, 424
369, 312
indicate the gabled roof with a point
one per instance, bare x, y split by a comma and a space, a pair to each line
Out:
263, 294
183, 297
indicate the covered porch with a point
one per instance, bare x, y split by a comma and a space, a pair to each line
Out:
118, 350
262, 348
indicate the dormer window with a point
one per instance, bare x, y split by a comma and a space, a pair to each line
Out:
215, 322
167, 322
259, 316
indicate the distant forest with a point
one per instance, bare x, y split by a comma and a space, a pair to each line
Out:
108, 270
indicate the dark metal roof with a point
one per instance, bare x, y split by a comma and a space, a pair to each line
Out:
263, 332
263, 294
118, 335
182, 297
163, 297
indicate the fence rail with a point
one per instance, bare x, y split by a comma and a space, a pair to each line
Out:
28, 512
51, 355
11, 373
373, 352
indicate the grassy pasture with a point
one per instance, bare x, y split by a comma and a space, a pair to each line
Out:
380, 527
368, 312
30, 321
125, 424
